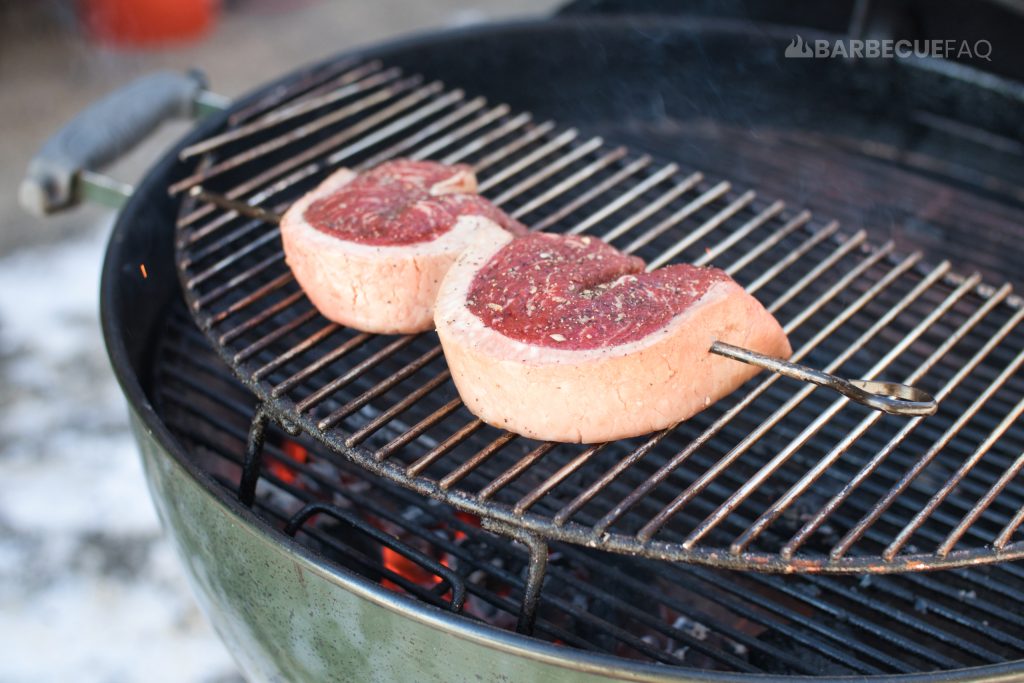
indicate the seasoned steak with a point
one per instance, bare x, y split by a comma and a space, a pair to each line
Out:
567, 339
370, 249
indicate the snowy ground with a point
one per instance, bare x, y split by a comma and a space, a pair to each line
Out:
89, 588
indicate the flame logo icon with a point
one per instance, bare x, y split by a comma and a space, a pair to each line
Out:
798, 49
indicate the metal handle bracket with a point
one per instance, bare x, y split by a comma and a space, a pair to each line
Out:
63, 171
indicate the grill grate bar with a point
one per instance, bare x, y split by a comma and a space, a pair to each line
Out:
423, 425
572, 181
795, 255
226, 240
237, 281
587, 494
775, 510
693, 207
854, 241
790, 449
229, 260
278, 332
512, 169
337, 91
517, 469
459, 473
296, 161
906, 532
467, 129
798, 221
259, 293
676, 461
765, 214
399, 125
310, 85
651, 208
648, 530
460, 435
400, 407
597, 190
509, 149
295, 297
536, 494
492, 136
343, 380
312, 340
255, 152
412, 141
982, 505
1009, 530
379, 388
773, 210
857, 531
549, 170
622, 200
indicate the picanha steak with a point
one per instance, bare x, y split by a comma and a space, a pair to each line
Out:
564, 338
370, 249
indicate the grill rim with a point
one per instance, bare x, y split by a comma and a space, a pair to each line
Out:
129, 343
286, 412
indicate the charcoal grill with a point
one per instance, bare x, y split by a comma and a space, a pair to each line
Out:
621, 549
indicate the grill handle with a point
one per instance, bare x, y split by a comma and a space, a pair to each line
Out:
63, 172
888, 397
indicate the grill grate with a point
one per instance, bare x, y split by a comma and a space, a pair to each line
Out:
635, 608
777, 477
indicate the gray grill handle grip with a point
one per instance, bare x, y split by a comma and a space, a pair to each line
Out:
103, 132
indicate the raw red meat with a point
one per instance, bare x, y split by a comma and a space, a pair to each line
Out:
370, 249
566, 339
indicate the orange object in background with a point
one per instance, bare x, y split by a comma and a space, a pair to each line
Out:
140, 23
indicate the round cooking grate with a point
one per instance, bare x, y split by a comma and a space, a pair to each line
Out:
777, 477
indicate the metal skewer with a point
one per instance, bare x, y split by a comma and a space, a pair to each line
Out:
889, 397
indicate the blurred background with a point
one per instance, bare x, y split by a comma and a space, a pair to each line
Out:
89, 591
